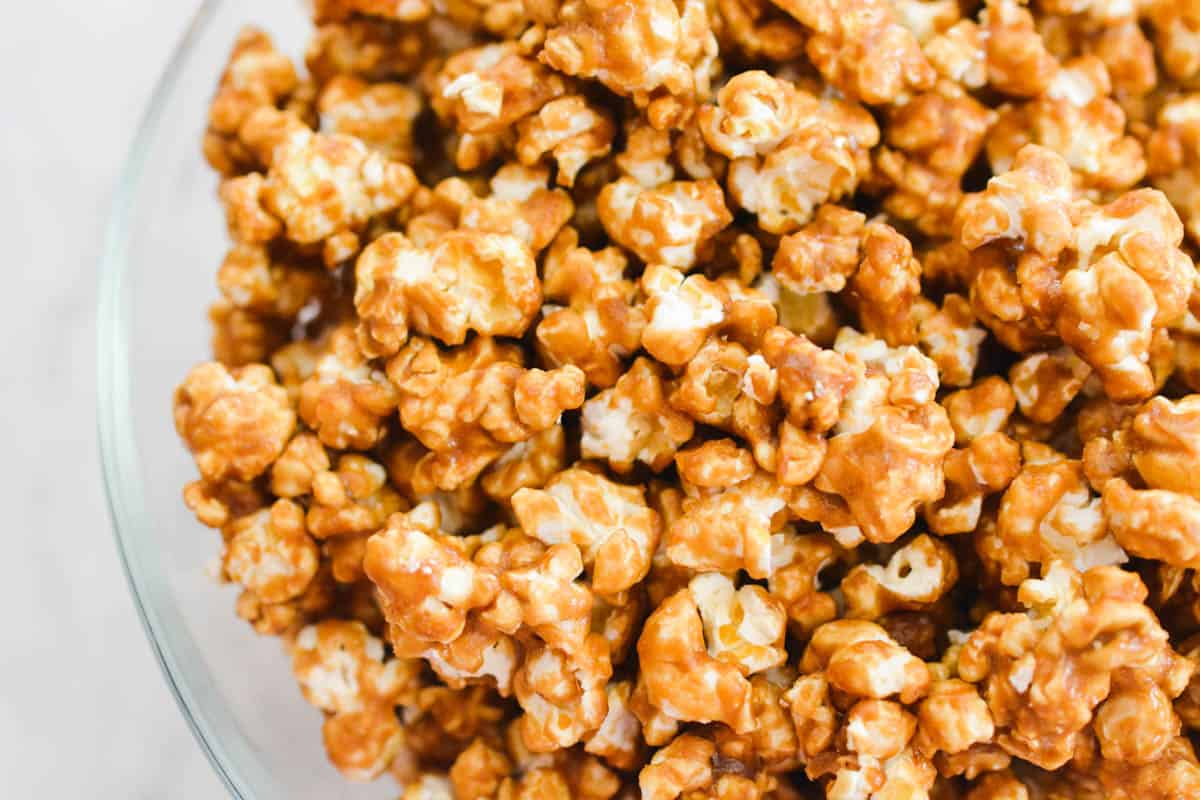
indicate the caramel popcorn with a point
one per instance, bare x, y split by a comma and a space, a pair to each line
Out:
730, 400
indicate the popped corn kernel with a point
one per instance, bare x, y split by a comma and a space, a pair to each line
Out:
468, 281
236, 423
270, 553
670, 224
632, 422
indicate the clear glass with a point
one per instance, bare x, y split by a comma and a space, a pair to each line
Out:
165, 241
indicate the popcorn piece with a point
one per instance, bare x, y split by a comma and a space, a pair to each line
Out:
1154, 523
353, 499
571, 131
658, 53
1171, 158
526, 465
760, 30
236, 423
618, 739
426, 582
322, 185
470, 404
563, 696
729, 529
488, 89
215, 504
792, 151
346, 399
682, 679
1080, 632
611, 524
797, 562
862, 49
270, 553
380, 114
341, 668
953, 718
632, 422
543, 587
1045, 383
859, 658
601, 324
670, 224
951, 338
682, 766
915, 577
1077, 119
886, 458
981, 409
743, 627
366, 47
1048, 514
1165, 437
485, 282
1017, 60
822, 255
984, 467
257, 75
887, 283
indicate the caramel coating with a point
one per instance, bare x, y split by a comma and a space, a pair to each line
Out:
717, 399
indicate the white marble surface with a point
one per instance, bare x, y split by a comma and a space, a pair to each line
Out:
84, 712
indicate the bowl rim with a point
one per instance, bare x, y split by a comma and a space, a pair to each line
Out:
119, 463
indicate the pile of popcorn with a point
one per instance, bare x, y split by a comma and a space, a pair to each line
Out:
730, 399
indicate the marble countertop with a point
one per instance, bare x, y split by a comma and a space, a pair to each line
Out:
84, 711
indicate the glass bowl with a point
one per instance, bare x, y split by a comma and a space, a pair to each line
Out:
157, 277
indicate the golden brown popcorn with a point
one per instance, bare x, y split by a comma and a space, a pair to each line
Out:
1077, 119
632, 422
859, 658
952, 718
469, 404
683, 680
341, 10
563, 695
346, 399
683, 766
862, 49
616, 532
380, 114
886, 285
1175, 27
1048, 514
1171, 158
488, 89
930, 143
660, 53
342, 668
759, 29
618, 740
251, 279
322, 185
354, 498
215, 504
914, 578
729, 528
240, 337
959, 54
1154, 523
485, 282
270, 553
792, 150
370, 48
479, 771
1044, 672
426, 580
1017, 60
544, 591
1045, 383
256, 75
724, 388
599, 323
680, 313
246, 219
950, 337
671, 224
236, 423
743, 626
885, 459
822, 255
571, 131
983, 408
986, 466
797, 562
526, 465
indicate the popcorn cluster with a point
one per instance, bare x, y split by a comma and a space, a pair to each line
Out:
762, 399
